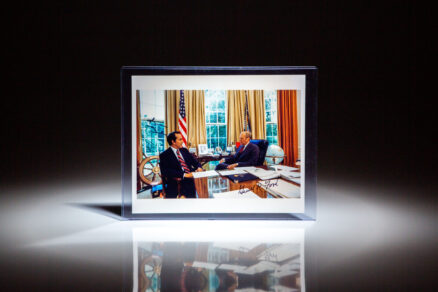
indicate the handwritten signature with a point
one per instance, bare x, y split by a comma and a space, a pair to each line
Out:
266, 184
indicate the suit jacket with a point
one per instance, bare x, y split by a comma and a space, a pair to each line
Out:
248, 157
171, 168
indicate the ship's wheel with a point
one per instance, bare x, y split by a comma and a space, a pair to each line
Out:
149, 170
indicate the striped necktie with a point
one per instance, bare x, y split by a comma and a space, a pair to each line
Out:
183, 163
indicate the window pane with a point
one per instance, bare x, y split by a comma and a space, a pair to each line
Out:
208, 131
275, 141
213, 106
161, 129
268, 116
213, 117
274, 116
152, 146
223, 131
268, 104
146, 130
274, 130
207, 117
213, 143
221, 105
214, 131
268, 129
223, 143
221, 117
154, 133
161, 145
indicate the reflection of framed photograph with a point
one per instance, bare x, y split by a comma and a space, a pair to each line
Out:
247, 260
269, 113
202, 149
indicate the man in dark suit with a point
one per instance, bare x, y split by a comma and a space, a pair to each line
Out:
247, 154
177, 162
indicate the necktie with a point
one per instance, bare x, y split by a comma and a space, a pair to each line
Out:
181, 160
241, 149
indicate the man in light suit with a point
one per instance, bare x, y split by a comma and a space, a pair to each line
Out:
177, 162
246, 155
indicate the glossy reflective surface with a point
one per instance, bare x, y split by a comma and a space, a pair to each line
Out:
62, 237
275, 264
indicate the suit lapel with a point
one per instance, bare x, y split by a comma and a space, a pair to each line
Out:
241, 153
172, 154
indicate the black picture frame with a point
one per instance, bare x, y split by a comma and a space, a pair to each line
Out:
310, 176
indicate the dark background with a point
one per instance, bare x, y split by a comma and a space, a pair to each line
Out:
61, 103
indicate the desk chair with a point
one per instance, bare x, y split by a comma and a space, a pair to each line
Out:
178, 182
263, 146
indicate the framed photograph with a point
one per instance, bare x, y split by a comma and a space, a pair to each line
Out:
267, 114
202, 149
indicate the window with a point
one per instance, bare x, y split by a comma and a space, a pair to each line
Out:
152, 121
216, 118
152, 137
271, 116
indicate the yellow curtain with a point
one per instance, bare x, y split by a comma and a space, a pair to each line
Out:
257, 114
139, 146
236, 113
195, 110
171, 104
195, 115
235, 110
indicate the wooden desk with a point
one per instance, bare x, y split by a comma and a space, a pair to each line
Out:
206, 186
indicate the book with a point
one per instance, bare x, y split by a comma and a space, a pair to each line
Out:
236, 178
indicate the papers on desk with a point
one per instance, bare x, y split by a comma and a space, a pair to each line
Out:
292, 176
231, 172
264, 174
283, 168
246, 168
296, 180
208, 173
280, 188
237, 194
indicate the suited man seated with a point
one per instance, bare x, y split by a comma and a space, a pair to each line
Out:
177, 162
246, 155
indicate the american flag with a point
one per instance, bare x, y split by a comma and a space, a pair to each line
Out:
182, 122
246, 120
